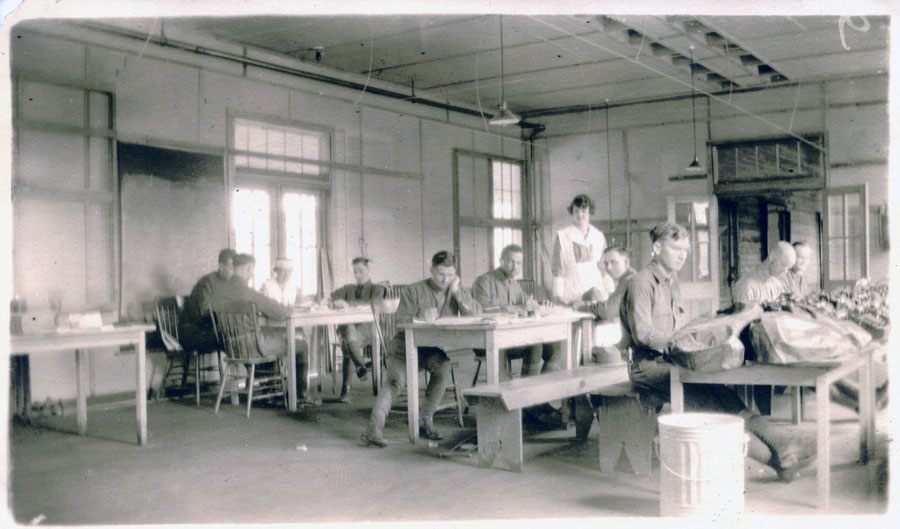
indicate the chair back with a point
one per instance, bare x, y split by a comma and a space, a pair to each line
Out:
167, 322
237, 330
527, 286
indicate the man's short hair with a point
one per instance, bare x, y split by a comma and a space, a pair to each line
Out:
796, 244
667, 230
225, 254
617, 249
243, 258
360, 260
443, 258
511, 248
581, 201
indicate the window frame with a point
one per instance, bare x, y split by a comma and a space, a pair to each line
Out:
844, 191
278, 183
85, 196
490, 222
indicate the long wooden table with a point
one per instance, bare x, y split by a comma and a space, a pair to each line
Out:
313, 318
451, 334
820, 375
81, 340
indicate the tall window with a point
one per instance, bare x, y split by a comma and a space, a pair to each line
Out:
846, 235
695, 217
490, 211
280, 173
63, 244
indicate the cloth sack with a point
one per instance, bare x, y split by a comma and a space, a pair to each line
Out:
794, 337
712, 344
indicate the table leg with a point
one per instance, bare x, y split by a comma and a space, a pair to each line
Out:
568, 349
81, 391
292, 366
676, 390
376, 354
866, 411
796, 405
823, 452
492, 358
587, 341
412, 385
140, 366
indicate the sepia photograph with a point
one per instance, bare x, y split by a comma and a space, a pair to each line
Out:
473, 264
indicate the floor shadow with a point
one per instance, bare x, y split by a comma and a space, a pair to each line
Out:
622, 504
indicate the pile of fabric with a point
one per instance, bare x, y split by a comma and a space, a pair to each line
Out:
865, 304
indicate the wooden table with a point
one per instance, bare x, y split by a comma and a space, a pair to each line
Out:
314, 318
82, 340
820, 375
451, 334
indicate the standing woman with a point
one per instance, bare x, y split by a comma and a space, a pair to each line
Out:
576, 254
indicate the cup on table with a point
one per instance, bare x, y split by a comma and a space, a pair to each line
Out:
431, 314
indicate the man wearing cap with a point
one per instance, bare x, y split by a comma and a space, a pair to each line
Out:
355, 336
279, 287
194, 326
236, 292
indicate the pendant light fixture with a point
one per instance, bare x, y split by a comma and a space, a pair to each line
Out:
694, 165
505, 116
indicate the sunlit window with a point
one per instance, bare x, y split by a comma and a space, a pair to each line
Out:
695, 217
252, 230
507, 204
279, 149
846, 236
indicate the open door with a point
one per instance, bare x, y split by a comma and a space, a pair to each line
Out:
700, 275
846, 239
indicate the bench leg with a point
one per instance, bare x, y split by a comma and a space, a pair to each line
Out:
584, 417
499, 435
625, 424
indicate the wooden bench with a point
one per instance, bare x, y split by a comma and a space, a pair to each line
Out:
498, 408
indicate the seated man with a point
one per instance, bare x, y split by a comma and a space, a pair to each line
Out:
439, 294
194, 326
499, 288
236, 291
618, 265
280, 287
765, 284
651, 311
355, 336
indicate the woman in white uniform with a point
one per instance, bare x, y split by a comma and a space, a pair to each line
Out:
577, 252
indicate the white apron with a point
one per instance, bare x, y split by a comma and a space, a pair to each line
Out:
578, 278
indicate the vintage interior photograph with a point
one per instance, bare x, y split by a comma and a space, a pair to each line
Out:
475, 265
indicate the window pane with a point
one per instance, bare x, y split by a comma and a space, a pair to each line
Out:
516, 188
275, 149
301, 244
702, 255
256, 139
836, 259
63, 170
854, 258
683, 214
836, 216
251, 229
701, 212
311, 151
854, 216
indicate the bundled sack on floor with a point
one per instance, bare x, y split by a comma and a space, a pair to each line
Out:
712, 344
780, 337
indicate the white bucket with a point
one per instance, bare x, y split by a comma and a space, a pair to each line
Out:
701, 459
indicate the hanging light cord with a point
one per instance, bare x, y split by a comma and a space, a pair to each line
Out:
608, 170
501, 61
693, 112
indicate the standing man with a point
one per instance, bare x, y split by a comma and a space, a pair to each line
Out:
279, 287
500, 288
355, 336
439, 294
764, 284
651, 311
194, 326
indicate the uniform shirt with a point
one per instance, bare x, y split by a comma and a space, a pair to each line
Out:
757, 287
235, 291
793, 283
196, 306
354, 293
609, 309
651, 311
286, 296
497, 288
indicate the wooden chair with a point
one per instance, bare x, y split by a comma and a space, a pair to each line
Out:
237, 330
177, 359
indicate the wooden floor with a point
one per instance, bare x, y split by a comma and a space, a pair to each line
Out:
310, 467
